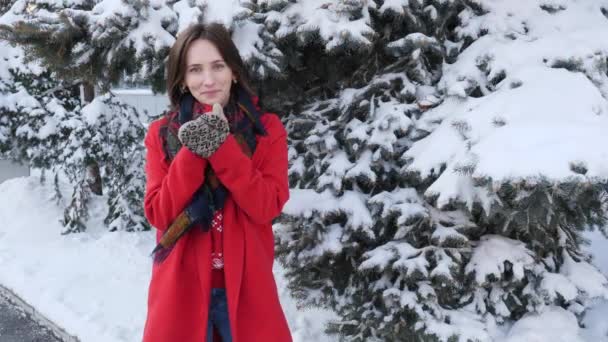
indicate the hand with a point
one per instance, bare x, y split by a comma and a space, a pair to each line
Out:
205, 134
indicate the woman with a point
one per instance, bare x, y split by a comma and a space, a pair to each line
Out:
214, 184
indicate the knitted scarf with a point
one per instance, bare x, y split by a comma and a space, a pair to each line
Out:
244, 121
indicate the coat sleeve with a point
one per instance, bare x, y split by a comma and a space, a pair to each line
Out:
259, 191
169, 187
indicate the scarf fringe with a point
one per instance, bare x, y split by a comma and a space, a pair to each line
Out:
160, 253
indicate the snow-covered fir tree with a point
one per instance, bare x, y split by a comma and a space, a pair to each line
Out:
23, 116
33, 105
108, 132
30, 94
411, 216
46, 126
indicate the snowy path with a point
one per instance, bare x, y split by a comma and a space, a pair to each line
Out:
19, 322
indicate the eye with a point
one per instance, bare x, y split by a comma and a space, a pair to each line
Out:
194, 69
218, 66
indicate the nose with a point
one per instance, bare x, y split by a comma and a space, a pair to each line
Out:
208, 79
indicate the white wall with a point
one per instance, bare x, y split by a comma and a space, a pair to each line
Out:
144, 100
10, 170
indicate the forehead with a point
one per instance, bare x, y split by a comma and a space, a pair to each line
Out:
202, 51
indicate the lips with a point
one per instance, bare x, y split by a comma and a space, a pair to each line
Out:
209, 93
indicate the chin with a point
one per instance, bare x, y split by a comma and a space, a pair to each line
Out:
212, 100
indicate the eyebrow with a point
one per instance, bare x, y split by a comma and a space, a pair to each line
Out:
212, 62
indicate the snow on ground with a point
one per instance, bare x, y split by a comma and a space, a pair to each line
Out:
93, 284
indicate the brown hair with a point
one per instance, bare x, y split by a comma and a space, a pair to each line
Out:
219, 36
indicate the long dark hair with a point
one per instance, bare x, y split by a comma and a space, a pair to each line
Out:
219, 36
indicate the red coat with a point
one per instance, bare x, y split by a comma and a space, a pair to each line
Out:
179, 292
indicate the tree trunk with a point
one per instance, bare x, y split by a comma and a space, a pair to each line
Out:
93, 173
87, 92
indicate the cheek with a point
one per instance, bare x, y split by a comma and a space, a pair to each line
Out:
188, 79
227, 80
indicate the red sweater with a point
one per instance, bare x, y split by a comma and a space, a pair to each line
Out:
217, 250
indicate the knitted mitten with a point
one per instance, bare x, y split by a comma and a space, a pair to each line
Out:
205, 134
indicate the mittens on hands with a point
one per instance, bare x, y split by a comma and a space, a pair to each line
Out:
205, 134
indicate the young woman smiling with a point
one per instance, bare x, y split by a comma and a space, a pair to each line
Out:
216, 177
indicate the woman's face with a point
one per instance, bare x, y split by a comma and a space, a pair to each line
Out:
207, 75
